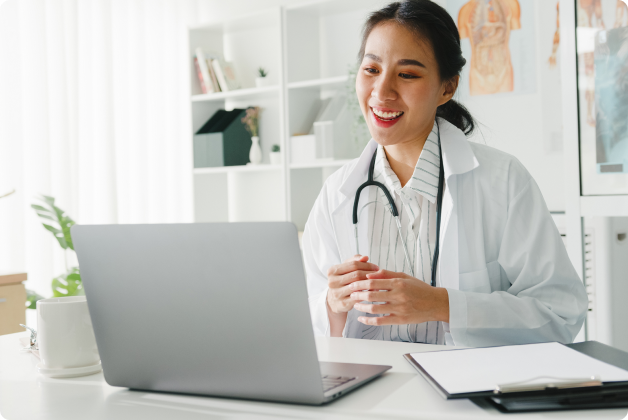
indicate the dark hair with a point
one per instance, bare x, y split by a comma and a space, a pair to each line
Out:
434, 23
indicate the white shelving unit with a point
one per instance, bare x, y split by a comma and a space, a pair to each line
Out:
308, 50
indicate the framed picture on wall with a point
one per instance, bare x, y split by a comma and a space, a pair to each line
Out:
602, 63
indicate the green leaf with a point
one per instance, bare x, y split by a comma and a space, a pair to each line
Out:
52, 229
48, 199
68, 284
66, 223
45, 216
40, 208
55, 214
58, 235
32, 298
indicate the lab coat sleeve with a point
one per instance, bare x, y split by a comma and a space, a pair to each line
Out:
319, 253
546, 301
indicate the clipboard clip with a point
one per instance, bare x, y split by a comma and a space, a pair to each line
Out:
558, 383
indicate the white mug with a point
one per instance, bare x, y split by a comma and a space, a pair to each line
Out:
65, 334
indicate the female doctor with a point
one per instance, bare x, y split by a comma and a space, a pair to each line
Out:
470, 212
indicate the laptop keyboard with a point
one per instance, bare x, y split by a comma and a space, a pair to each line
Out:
330, 381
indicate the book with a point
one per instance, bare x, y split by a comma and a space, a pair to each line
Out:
230, 75
212, 75
202, 64
226, 75
200, 76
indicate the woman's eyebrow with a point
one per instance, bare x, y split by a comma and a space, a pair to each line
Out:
402, 62
410, 62
373, 57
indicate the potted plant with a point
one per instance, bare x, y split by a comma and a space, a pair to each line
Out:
251, 123
57, 222
275, 155
261, 80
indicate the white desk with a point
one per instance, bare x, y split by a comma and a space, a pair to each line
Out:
401, 393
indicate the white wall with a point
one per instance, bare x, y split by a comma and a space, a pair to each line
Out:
527, 125
94, 111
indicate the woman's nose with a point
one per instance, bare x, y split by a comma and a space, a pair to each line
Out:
384, 88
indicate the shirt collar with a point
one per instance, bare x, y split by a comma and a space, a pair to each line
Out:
458, 158
424, 180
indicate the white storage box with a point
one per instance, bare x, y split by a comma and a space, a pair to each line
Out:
303, 149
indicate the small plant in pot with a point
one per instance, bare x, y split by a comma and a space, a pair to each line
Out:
275, 155
262, 78
57, 222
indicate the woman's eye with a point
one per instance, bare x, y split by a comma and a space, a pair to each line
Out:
407, 76
370, 70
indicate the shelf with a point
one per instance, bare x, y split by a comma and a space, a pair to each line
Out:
329, 81
604, 206
219, 96
321, 164
327, 8
241, 168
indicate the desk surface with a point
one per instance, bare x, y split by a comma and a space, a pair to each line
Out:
401, 393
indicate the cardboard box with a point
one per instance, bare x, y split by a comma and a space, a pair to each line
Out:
12, 302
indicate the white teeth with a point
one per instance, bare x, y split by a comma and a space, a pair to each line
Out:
387, 115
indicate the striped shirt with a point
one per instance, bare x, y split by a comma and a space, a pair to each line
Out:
416, 203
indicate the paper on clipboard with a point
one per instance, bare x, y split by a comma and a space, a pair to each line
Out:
482, 369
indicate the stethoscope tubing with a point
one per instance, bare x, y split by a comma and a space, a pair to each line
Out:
393, 208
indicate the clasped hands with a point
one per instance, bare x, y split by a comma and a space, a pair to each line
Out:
405, 299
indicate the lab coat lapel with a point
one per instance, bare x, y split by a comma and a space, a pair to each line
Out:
458, 158
342, 219
342, 215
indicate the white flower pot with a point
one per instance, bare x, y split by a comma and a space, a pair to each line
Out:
262, 81
255, 154
275, 158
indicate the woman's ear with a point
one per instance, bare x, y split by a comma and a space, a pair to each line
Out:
449, 89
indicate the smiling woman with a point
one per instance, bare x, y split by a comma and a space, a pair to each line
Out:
503, 276
421, 70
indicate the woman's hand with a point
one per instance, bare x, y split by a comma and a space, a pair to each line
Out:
341, 276
407, 300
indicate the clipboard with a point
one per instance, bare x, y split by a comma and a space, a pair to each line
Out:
577, 396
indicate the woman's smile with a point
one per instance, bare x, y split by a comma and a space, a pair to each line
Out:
385, 117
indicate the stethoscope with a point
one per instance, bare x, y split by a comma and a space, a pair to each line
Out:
395, 213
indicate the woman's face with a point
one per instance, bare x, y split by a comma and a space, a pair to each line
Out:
398, 85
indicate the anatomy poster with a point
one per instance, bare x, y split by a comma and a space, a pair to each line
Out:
498, 41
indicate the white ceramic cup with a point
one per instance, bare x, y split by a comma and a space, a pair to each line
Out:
65, 334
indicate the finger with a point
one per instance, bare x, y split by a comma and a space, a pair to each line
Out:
386, 274
380, 320
346, 279
369, 284
373, 308
372, 296
358, 257
349, 266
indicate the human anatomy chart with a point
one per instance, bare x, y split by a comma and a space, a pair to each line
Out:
487, 24
501, 45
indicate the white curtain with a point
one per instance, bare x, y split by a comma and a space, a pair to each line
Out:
94, 111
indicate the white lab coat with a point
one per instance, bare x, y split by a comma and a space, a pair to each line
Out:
502, 259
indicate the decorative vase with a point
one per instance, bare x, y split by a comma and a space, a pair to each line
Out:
261, 82
255, 154
275, 158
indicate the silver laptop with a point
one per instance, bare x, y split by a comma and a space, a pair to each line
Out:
216, 309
